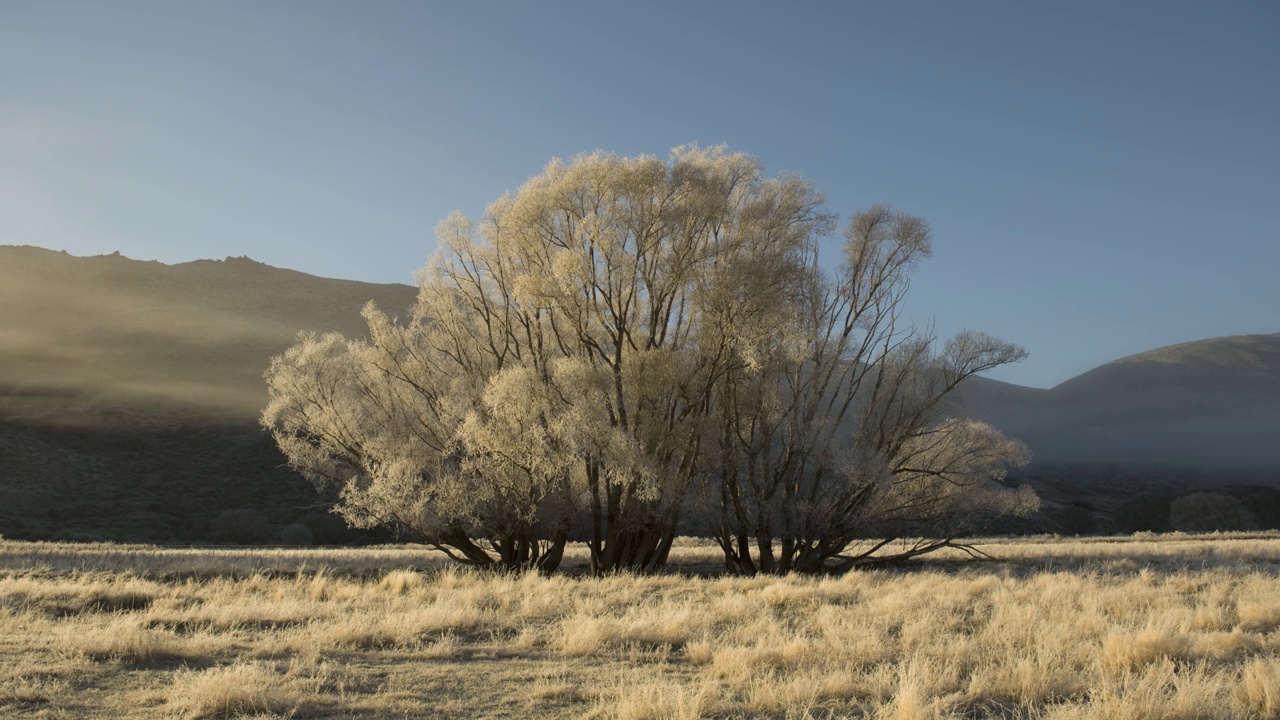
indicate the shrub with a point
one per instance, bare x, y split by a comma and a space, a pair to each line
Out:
1146, 512
1209, 511
241, 527
326, 528
1262, 501
295, 534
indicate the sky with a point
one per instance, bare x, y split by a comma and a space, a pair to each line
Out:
1101, 178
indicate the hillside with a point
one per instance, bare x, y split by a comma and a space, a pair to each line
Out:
197, 333
129, 390
1212, 404
1117, 446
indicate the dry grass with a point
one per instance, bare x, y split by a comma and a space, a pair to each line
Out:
230, 691
1170, 628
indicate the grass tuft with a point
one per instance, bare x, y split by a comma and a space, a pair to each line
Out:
230, 691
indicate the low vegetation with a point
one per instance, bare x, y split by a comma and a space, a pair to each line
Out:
1169, 627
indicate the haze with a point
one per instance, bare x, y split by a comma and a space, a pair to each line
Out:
1099, 183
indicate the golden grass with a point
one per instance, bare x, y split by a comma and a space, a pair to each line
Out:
1184, 627
230, 691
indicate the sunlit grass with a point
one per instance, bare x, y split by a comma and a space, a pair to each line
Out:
1170, 627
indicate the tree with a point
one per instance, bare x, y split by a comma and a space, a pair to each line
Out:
830, 428
623, 331
616, 258
1210, 512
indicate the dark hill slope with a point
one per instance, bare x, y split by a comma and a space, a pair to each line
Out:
129, 391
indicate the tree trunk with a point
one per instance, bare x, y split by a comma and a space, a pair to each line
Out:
549, 562
472, 554
597, 532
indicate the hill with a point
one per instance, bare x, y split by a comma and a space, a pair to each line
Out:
1116, 448
1210, 404
129, 390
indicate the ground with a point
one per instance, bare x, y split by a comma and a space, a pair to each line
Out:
1168, 626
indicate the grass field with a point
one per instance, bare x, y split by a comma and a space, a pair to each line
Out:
1146, 627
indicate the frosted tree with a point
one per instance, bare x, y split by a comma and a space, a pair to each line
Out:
622, 334
616, 258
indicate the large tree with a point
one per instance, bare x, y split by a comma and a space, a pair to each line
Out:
623, 336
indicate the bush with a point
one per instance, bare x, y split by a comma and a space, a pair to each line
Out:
295, 534
1262, 501
1210, 511
241, 527
1075, 519
1146, 512
326, 528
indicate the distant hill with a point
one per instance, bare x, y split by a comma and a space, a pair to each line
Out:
129, 390
197, 333
1116, 447
1211, 404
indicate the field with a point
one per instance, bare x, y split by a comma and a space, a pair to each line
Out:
1170, 626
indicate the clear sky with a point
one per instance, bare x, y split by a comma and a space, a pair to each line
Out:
1101, 178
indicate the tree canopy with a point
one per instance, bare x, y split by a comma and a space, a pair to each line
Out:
624, 343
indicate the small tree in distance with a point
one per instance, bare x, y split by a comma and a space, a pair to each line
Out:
1210, 512
624, 335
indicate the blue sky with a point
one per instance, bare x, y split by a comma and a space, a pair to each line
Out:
1101, 178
